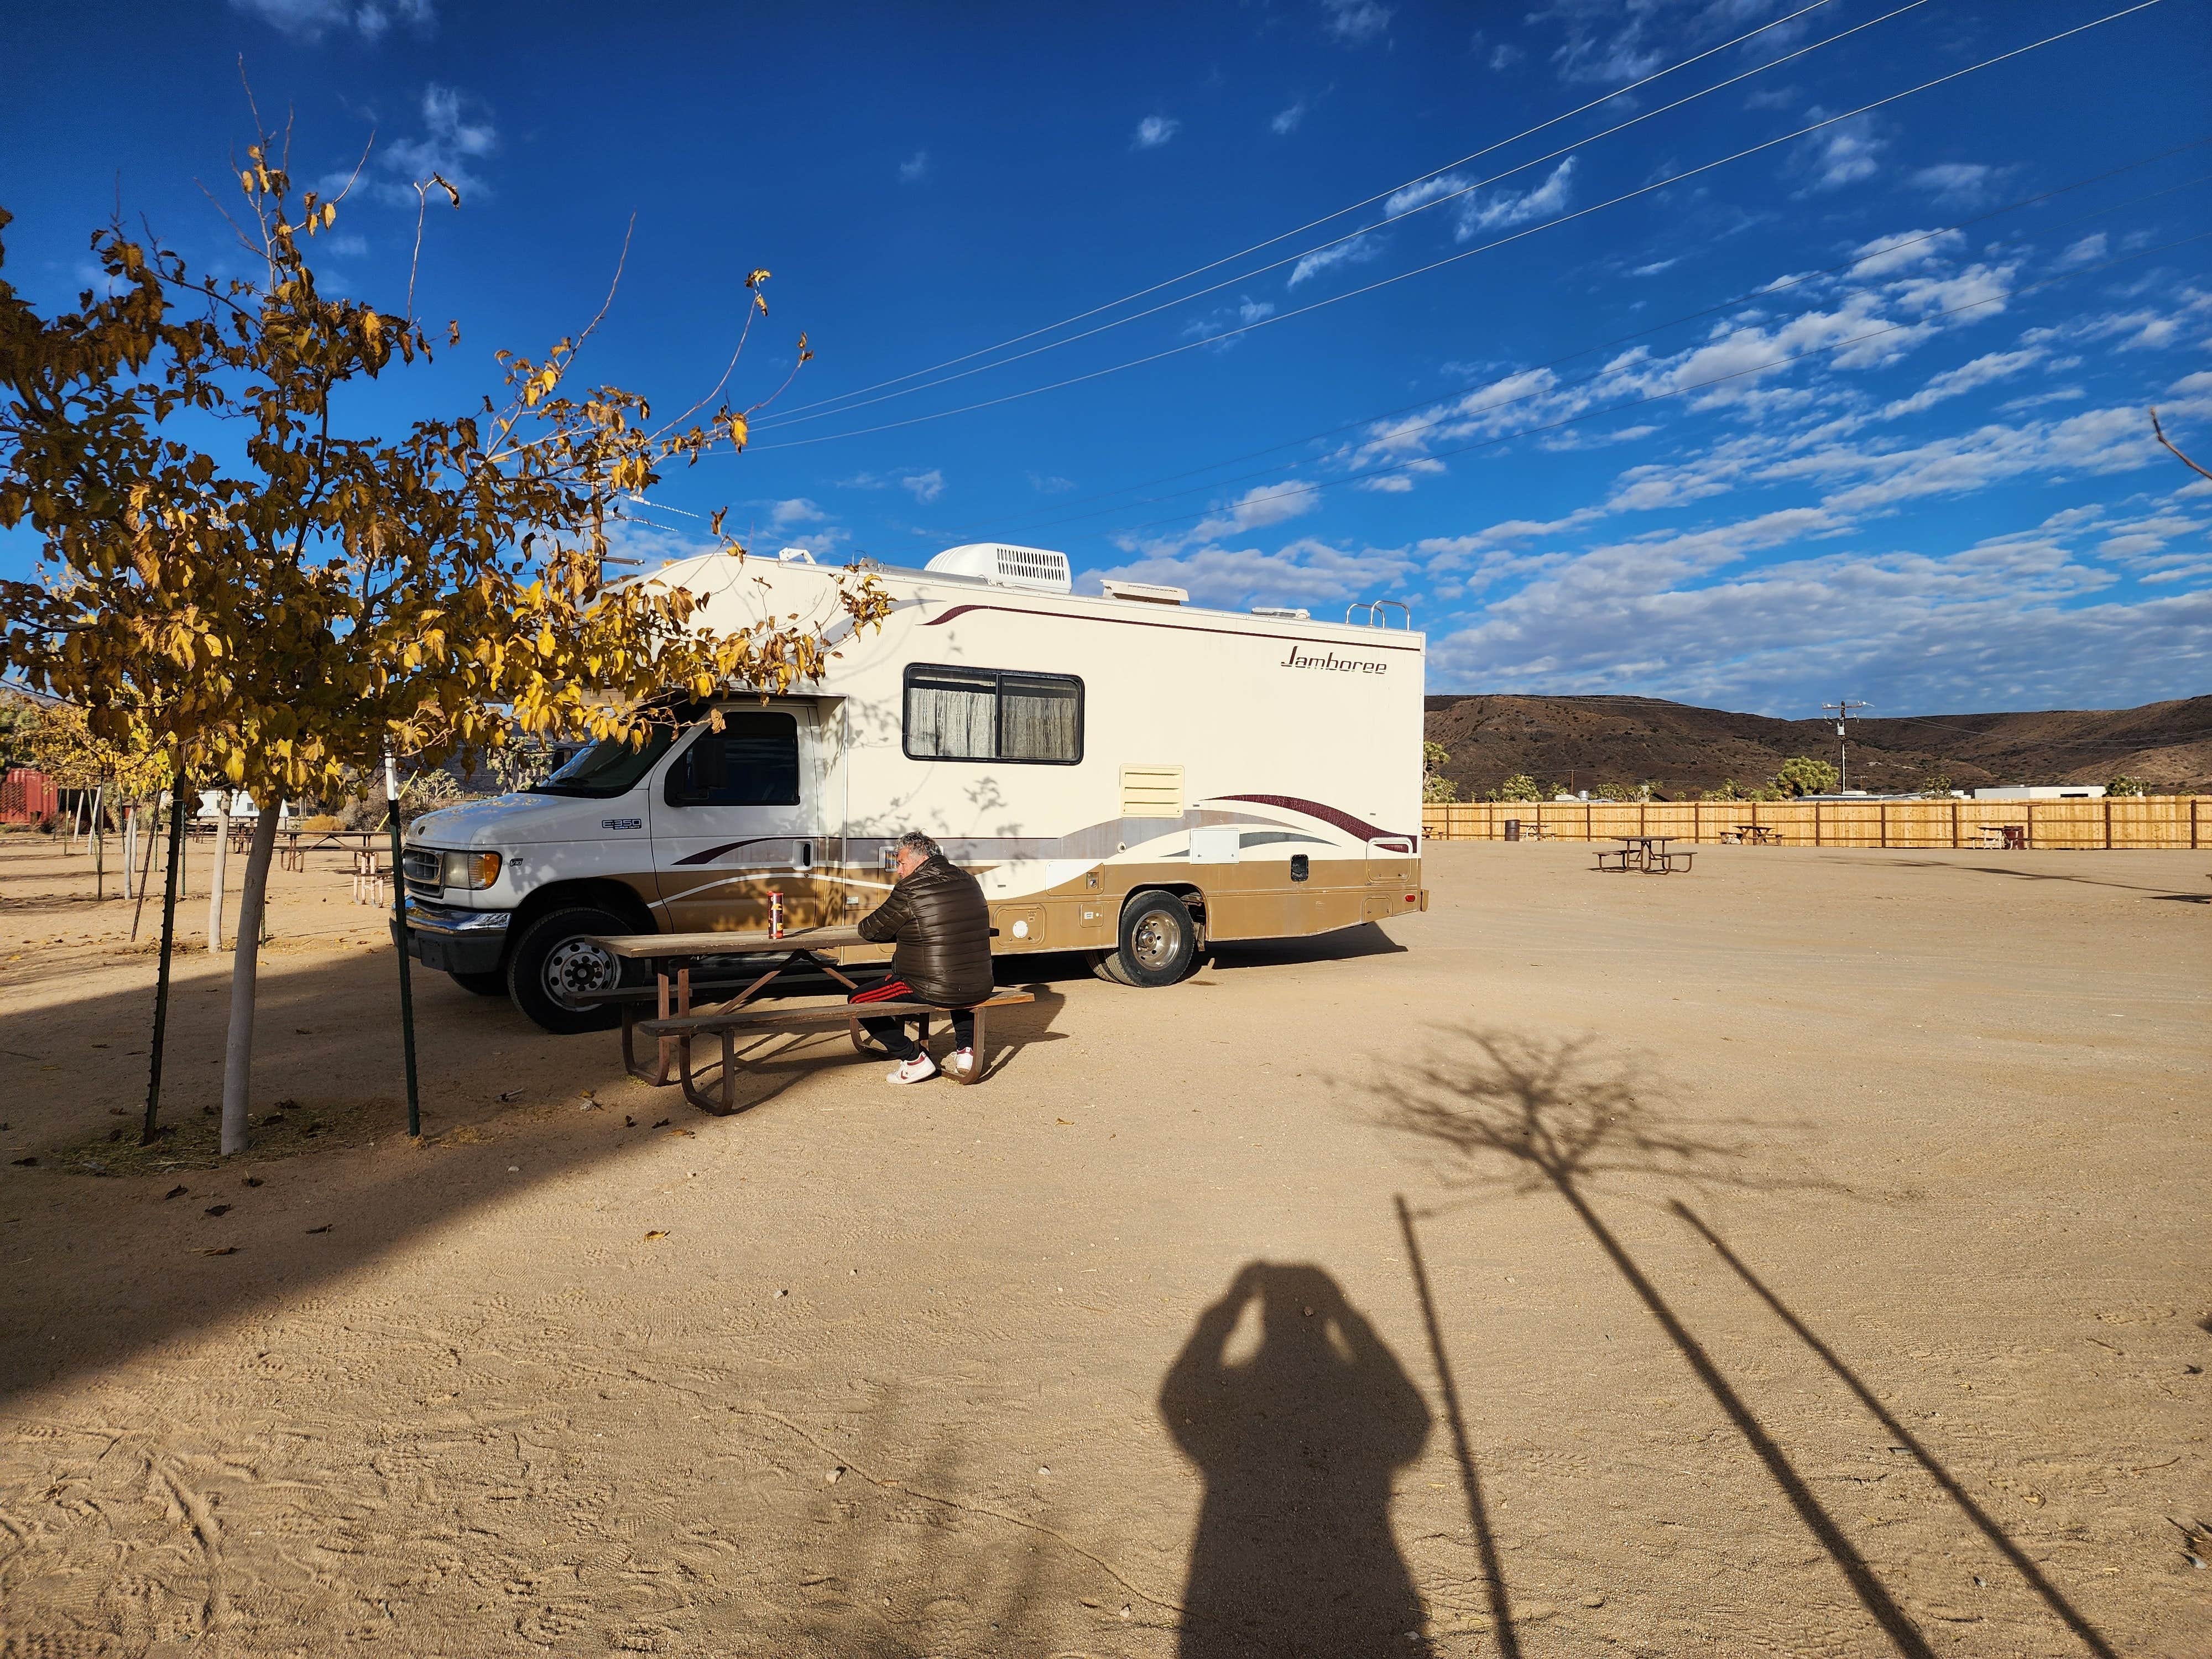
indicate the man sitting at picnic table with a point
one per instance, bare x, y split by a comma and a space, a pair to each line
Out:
937, 913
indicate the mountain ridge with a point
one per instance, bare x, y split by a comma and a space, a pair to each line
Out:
1585, 742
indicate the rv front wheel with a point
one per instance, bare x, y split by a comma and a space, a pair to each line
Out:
556, 961
1159, 941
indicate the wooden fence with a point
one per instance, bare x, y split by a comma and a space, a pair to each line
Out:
2170, 822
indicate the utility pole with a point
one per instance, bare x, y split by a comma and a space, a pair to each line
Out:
1843, 710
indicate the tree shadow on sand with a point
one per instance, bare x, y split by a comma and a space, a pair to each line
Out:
1526, 1115
1294, 1553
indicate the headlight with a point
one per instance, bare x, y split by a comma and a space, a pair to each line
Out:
468, 870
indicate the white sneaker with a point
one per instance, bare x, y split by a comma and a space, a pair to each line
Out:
919, 1069
963, 1060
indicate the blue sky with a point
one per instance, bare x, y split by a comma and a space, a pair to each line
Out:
1844, 415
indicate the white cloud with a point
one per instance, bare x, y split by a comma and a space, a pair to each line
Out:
1901, 252
451, 146
1842, 154
1357, 22
1770, 98
1154, 131
1656, 267
1353, 251
914, 168
1287, 121
1503, 56
1242, 315
1956, 382
1613, 40
2090, 249
1503, 209
925, 487
797, 510
1050, 484
1962, 183
310, 20
1302, 572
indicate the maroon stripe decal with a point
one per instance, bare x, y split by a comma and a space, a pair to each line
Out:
1176, 628
713, 853
1314, 809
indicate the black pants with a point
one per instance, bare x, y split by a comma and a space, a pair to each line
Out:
890, 1030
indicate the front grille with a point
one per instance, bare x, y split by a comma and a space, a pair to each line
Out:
421, 869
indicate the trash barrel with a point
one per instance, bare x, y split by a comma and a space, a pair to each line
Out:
1512, 828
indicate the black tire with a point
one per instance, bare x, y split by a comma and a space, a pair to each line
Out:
490, 983
550, 953
1159, 942
1106, 965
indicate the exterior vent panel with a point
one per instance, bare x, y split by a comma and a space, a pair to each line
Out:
1038, 569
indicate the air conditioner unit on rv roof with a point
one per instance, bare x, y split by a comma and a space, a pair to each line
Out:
1035, 568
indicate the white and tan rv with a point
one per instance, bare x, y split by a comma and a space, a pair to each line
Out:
1129, 776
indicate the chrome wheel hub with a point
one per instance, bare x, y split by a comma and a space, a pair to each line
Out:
576, 965
1157, 942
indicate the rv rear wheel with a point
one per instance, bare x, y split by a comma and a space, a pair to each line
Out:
1159, 942
555, 960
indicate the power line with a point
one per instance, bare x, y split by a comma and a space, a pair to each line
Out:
1585, 351
795, 417
1200, 271
1469, 253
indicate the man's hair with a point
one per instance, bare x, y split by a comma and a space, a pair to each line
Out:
914, 842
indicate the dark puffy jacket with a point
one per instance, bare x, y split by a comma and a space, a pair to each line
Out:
942, 928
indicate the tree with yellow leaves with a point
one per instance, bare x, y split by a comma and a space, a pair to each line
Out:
234, 574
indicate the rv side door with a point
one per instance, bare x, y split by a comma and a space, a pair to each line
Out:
737, 814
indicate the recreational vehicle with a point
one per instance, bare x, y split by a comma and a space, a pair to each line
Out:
1130, 775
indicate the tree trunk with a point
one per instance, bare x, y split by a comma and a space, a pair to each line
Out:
246, 960
214, 881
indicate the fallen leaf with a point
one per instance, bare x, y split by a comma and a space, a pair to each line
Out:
218, 1209
831, 1478
661, 1123
324, 1228
25, 1161
1069, 1121
254, 1181
512, 1093
692, 1133
629, 1122
221, 1249
176, 1192
658, 1232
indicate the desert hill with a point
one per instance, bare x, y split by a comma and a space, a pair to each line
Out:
1589, 741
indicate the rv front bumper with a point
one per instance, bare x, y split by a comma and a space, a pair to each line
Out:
454, 940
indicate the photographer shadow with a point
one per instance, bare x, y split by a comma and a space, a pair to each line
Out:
1294, 1553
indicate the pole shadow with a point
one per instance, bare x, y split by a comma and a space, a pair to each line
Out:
1539, 1116
1294, 1553
2052, 1597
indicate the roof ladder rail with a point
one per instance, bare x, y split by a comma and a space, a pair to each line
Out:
1375, 608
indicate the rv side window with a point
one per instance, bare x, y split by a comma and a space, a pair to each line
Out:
753, 760
972, 713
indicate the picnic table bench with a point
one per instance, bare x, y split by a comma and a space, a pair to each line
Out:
1753, 835
1646, 852
672, 1022
2004, 837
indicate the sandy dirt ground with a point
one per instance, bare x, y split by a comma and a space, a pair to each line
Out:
1804, 1255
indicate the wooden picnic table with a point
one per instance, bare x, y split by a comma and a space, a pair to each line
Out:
673, 957
1753, 835
1646, 852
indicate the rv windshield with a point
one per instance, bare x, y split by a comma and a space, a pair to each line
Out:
608, 768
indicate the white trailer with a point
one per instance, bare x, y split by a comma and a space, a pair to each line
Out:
1130, 776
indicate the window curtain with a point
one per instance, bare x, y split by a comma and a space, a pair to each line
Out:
1036, 719
952, 716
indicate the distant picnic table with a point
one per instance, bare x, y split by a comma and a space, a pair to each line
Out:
676, 956
1753, 834
1649, 853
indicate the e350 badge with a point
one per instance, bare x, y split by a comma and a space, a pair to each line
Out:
622, 823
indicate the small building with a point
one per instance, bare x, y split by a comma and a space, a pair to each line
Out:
2042, 792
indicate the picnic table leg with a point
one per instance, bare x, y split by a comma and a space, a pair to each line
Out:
725, 1101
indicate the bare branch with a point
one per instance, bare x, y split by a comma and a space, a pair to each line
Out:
355, 176
2161, 432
